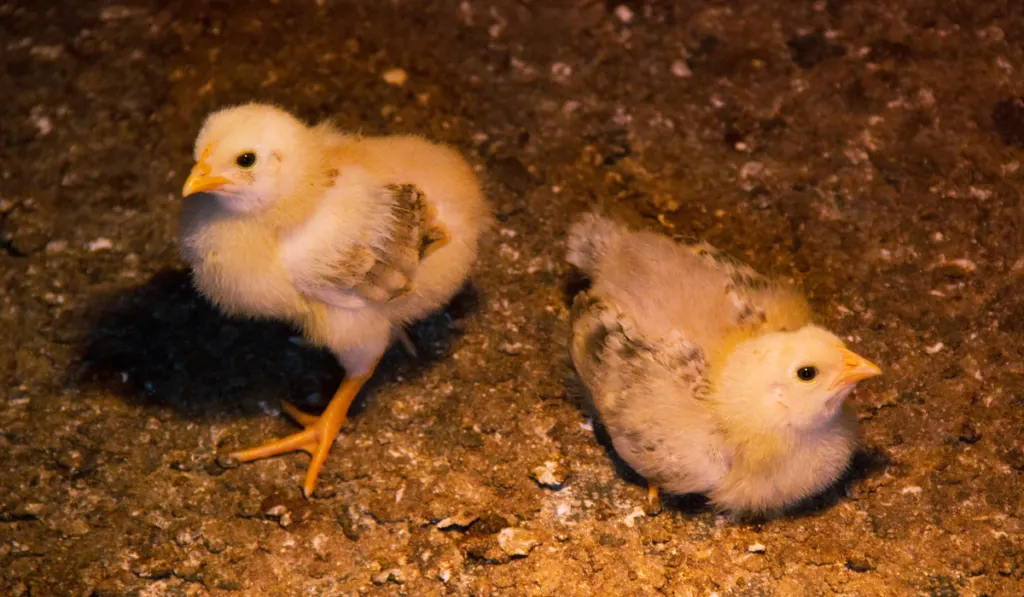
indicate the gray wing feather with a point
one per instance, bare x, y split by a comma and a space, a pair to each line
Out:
646, 394
613, 358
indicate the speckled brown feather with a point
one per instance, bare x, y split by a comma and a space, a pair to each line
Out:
385, 266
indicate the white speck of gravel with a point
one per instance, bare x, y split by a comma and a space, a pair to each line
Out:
395, 76
20, 44
756, 548
934, 348
100, 244
466, 11
965, 264
268, 409
624, 14
56, 246
47, 52
548, 475
925, 97
517, 542
508, 252
509, 233
911, 489
751, 169
498, 27
399, 494
43, 124
115, 13
977, 193
587, 425
630, 519
561, 70
680, 69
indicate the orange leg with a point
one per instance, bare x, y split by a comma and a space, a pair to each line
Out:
653, 500
318, 436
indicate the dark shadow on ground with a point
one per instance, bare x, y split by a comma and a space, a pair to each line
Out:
162, 344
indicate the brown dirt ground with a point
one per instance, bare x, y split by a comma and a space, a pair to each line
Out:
870, 150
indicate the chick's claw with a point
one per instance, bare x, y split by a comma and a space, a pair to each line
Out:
653, 505
317, 438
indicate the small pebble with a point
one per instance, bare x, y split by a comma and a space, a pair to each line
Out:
624, 13
550, 475
100, 244
681, 69
859, 563
395, 76
517, 542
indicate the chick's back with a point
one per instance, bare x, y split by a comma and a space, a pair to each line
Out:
664, 286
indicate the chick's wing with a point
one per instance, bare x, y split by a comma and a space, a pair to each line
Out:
621, 366
651, 394
381, 265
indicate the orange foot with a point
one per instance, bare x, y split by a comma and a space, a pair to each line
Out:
319, 435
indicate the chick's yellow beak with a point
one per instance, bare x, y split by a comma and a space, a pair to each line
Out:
855, 368
201, 181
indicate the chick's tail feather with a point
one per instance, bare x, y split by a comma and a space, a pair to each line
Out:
591, 239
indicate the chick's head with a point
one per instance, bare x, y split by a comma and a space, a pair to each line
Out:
249, 156
791, 380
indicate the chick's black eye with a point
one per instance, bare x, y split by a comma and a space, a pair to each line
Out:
246, 160
807, 373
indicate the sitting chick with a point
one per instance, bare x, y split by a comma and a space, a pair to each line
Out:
347, 237
709, 378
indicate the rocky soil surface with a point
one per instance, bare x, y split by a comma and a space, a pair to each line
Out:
870, 150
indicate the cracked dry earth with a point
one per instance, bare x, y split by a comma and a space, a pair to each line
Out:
870, 150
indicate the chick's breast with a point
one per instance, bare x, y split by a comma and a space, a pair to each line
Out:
234, 263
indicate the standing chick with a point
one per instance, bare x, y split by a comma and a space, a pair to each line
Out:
710, 378
347, 237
